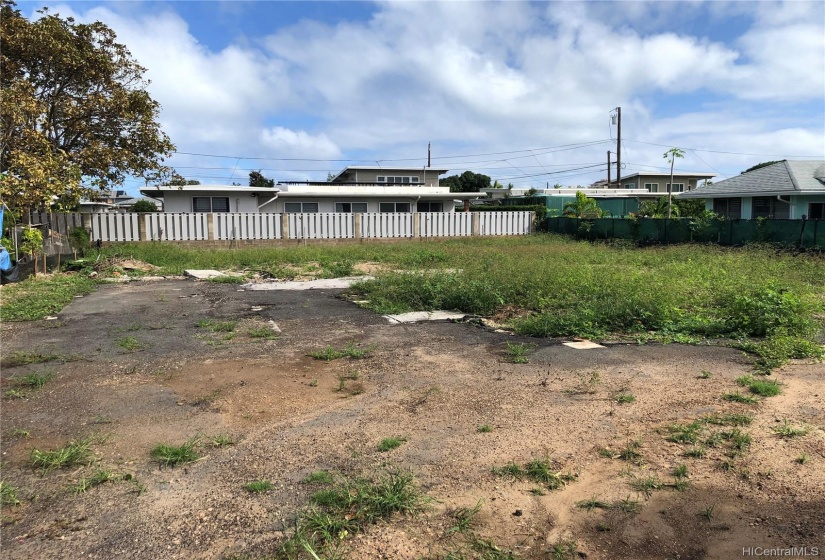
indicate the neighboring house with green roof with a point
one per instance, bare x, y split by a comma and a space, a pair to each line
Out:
785, 190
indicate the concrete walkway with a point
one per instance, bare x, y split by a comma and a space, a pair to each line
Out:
325, 284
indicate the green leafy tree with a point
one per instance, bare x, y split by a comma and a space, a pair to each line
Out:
657, 208
74, 107
179, 180
467, 182
32, 244
144, 206
256, 179
671, 156
583, 207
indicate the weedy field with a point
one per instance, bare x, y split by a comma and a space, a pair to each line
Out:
171, 419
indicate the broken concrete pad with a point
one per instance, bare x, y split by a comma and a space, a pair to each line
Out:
325, 284
583, 345
416, 316
202, 274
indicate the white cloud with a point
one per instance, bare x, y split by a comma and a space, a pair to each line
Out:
480, 76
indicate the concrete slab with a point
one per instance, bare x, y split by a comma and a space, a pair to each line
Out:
583, 345
202, 274
416, 316
325, 284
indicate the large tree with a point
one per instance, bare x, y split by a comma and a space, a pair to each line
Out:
75, 110
257, 179
466, 182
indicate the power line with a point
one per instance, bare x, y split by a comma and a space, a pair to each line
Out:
721, 152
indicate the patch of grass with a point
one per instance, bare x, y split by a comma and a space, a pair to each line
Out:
761, 387
34, 380
390, 443
685, 433
775, 350
130, 343
319, 477
349, 507
803, 459
608, 453
697, 452
37, 298
100, 477
8, 494
510, 469
172, 455
24, 357
463, 518
537, 491
258, 486
226, 279
20, 433
73, 453
788, 430
630, 451
739, 440
732, 419
484, 429
518, 352
564, 550
350, 351
738, 397
15, 394
221, 440
628, 506
313, 383
625, 398
592, 504
714, 439
646, 485
212, 325
263, 332
680, 471
705, 374
708, 513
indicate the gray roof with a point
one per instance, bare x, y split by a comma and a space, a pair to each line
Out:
781, 178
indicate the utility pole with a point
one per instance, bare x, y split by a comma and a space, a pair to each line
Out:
608, 169
428, 154
619, 148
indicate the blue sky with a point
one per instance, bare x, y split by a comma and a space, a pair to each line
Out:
520, 91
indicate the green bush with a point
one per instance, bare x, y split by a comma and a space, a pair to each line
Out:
762, 312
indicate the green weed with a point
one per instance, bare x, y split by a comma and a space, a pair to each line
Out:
564, 550
264, 332
732, 419
680, 471
226, 279
172, 455
100, 477
130, 343
390, 443
738, 397
646, 485
8, 494
628, 506
685, 433
37, 298
625, 398
258, 486
34, 380
696, 452
518, 352
761, 387
463, 518
592, 504
788, 430
485, 429
803, 459
221, 440
705, 374
23, 357
216, 326
74, 453
319, 477
630, 451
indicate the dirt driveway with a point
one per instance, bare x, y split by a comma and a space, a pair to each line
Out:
132, 369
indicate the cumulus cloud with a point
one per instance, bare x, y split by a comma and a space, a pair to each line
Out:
477, 77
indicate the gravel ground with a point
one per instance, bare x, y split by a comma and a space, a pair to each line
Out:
135, 370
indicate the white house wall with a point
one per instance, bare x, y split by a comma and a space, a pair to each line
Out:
182, 201
328, 204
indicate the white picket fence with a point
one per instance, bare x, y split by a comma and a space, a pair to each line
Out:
192, 226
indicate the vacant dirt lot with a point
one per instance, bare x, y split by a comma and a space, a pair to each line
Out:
135, 370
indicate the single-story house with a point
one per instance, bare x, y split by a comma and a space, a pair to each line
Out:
784, 190
657, 182
355, 189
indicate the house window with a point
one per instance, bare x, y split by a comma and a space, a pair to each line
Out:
816, 211
630, 185
300, 207
394, 207
430, 207
397, 179
770, 207
728, 207
210, 204
652, 187
677, 187
351, 207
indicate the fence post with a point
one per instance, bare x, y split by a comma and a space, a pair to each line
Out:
210, 227
475, 223
416, 225
284, 226
356, 226
141, 227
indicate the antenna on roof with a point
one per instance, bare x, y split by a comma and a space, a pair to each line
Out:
428, 154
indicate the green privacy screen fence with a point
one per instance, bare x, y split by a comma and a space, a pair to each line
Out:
800, 233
